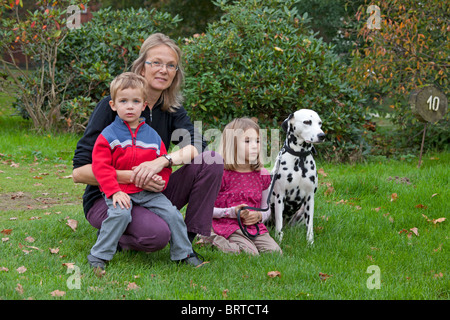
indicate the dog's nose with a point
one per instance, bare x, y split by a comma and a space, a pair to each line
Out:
321, 136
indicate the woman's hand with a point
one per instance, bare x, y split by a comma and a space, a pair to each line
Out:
142, 175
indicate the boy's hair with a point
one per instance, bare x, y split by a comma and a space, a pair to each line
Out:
128, 80
228, 143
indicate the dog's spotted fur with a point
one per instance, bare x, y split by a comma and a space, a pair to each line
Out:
295, 174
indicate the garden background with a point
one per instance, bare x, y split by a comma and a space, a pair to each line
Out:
262, 59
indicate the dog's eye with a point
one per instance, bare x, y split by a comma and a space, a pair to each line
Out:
308, 122
320, 123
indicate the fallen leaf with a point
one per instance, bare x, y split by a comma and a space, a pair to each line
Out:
69, 265
57, 293
53, 250
35, 248
73, 224
132, 286
439, 220
322, 172
274, 274
4, 269
6, 231
19, 194
434, 195
5, 239
29, 239
14, 165
394, 197
324, 276
19, 288
415, 231
225, 293
21, 269
421, 206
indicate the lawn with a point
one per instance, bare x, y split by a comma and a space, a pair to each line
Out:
381, 232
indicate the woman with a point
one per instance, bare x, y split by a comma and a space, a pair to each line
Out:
197, 182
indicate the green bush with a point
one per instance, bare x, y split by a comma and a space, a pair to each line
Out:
103, 48
262, 60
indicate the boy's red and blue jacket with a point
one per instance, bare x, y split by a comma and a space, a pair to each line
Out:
117, 147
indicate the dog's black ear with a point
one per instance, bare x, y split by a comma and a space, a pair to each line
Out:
285, 124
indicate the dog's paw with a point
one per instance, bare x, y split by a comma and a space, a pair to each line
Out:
279, 236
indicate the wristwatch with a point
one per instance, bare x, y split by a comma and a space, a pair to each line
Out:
169, 158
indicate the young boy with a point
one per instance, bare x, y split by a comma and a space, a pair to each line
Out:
124, 144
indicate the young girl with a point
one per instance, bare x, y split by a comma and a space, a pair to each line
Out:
244, 183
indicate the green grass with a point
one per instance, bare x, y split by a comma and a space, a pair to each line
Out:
356, 226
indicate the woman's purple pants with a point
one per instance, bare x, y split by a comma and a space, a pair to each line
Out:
196, 184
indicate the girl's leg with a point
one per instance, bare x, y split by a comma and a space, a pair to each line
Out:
197, 184
146, 231
265, 243
235, 243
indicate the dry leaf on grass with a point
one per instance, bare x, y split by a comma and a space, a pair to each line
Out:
274, 274
324, 276
19, 288
73, 224
435, 221
394, 197
21, 269
57, 293
132, 286
69, 265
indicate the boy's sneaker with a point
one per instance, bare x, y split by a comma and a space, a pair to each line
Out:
96, 263
194, 260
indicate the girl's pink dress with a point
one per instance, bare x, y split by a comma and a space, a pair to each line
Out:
238, 188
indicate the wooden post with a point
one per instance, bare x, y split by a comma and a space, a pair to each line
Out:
423, 141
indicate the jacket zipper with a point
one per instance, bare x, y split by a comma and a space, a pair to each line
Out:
133, 141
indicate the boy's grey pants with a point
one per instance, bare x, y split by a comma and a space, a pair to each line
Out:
118, 219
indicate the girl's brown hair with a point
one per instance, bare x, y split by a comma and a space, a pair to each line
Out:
172, 96
228, 142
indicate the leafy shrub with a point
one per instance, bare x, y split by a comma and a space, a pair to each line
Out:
262, 60
410, 49
99, 50
36, 36
103, 48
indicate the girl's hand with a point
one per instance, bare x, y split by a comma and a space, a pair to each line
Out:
244, 212
252, 218
122, 199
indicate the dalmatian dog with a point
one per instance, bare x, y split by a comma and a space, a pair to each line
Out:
294, 174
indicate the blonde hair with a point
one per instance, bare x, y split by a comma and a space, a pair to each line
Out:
228, 143
128, 80
172, 96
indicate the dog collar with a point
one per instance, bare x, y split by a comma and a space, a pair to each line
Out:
300, 154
